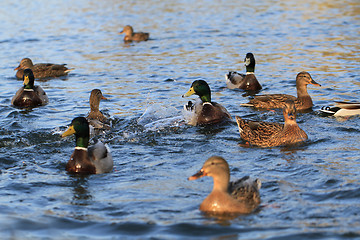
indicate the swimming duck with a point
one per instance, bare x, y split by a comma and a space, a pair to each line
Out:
204, 111
246, 81
42, 70
130, 35
29, 95
264, 134
95, 117
86, 159
342, 109
271, 101
239, 197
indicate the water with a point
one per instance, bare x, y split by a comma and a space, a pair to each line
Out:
309, 191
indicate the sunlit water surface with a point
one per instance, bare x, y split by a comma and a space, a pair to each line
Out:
310, 191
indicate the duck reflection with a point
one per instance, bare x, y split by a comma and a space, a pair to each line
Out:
81, 195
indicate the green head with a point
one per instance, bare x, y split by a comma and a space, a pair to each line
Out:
28, 79
249, 62
80, 128
200, 88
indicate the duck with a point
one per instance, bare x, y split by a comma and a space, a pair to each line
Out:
238, 197
204, 111
342, 109
130, 35
266, 134
94, 159
42, 70
246, 81
272, 101
95, 117
29, 95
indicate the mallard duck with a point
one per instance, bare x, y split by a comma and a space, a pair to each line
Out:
342, 109
246, 81
205, 111
42, 70
29, 95
86, 159
95, 98
264, 134
239, 197
271, 101
130, 35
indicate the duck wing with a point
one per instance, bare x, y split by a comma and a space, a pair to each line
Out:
270, 101
246, 190
234, 79
100, 156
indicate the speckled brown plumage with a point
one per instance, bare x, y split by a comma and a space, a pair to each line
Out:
130, 35
264, 134
302, 101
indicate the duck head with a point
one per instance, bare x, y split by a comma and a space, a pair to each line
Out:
25, 63
200, 88
95, 98
249, 62
80, 128
28, 79
128, 30
289, 112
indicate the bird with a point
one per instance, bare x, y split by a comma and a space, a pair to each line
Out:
342, 109
265, 134
239, 197
246, 81
29, 95
42, 70
130, 35
95, 117
94, 159
204, 111
271, 101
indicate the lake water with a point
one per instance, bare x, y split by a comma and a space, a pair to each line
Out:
310, 191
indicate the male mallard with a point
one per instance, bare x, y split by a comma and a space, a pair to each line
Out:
130, 35
204, 112
246, 81
302, 102
42, 70
29, 95
342, 109
96, 117
264, 134
240, 197
87, 159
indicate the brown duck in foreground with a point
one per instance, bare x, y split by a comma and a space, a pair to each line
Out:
264, 134
42, 70
271, 101
130, 35
240, 197
29, 95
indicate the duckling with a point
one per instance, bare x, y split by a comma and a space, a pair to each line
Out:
264, 134
86, 159
271, 101
342, 109
246, 81
205, 111
42, 70
240, 197
29, 95
130, 35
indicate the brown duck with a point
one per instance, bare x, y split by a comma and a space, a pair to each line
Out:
240, 197
95, 117
204, 111
264, 134
246, 81
130, 35
94, 159
29, 95
271, 101
42, 70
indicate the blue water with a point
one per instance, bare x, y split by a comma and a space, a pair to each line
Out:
310, 191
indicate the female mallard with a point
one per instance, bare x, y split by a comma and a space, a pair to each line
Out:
86, 159
246, 81
130, 35
204, 112
95, 116
240, 197
42, 70
302, 102
342, 109
264, 134
29, 95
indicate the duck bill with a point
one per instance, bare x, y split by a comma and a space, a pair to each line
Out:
26, 80
315, 83
121, 32
189, 93
197, 175
68, 132
104, 98
17, 68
